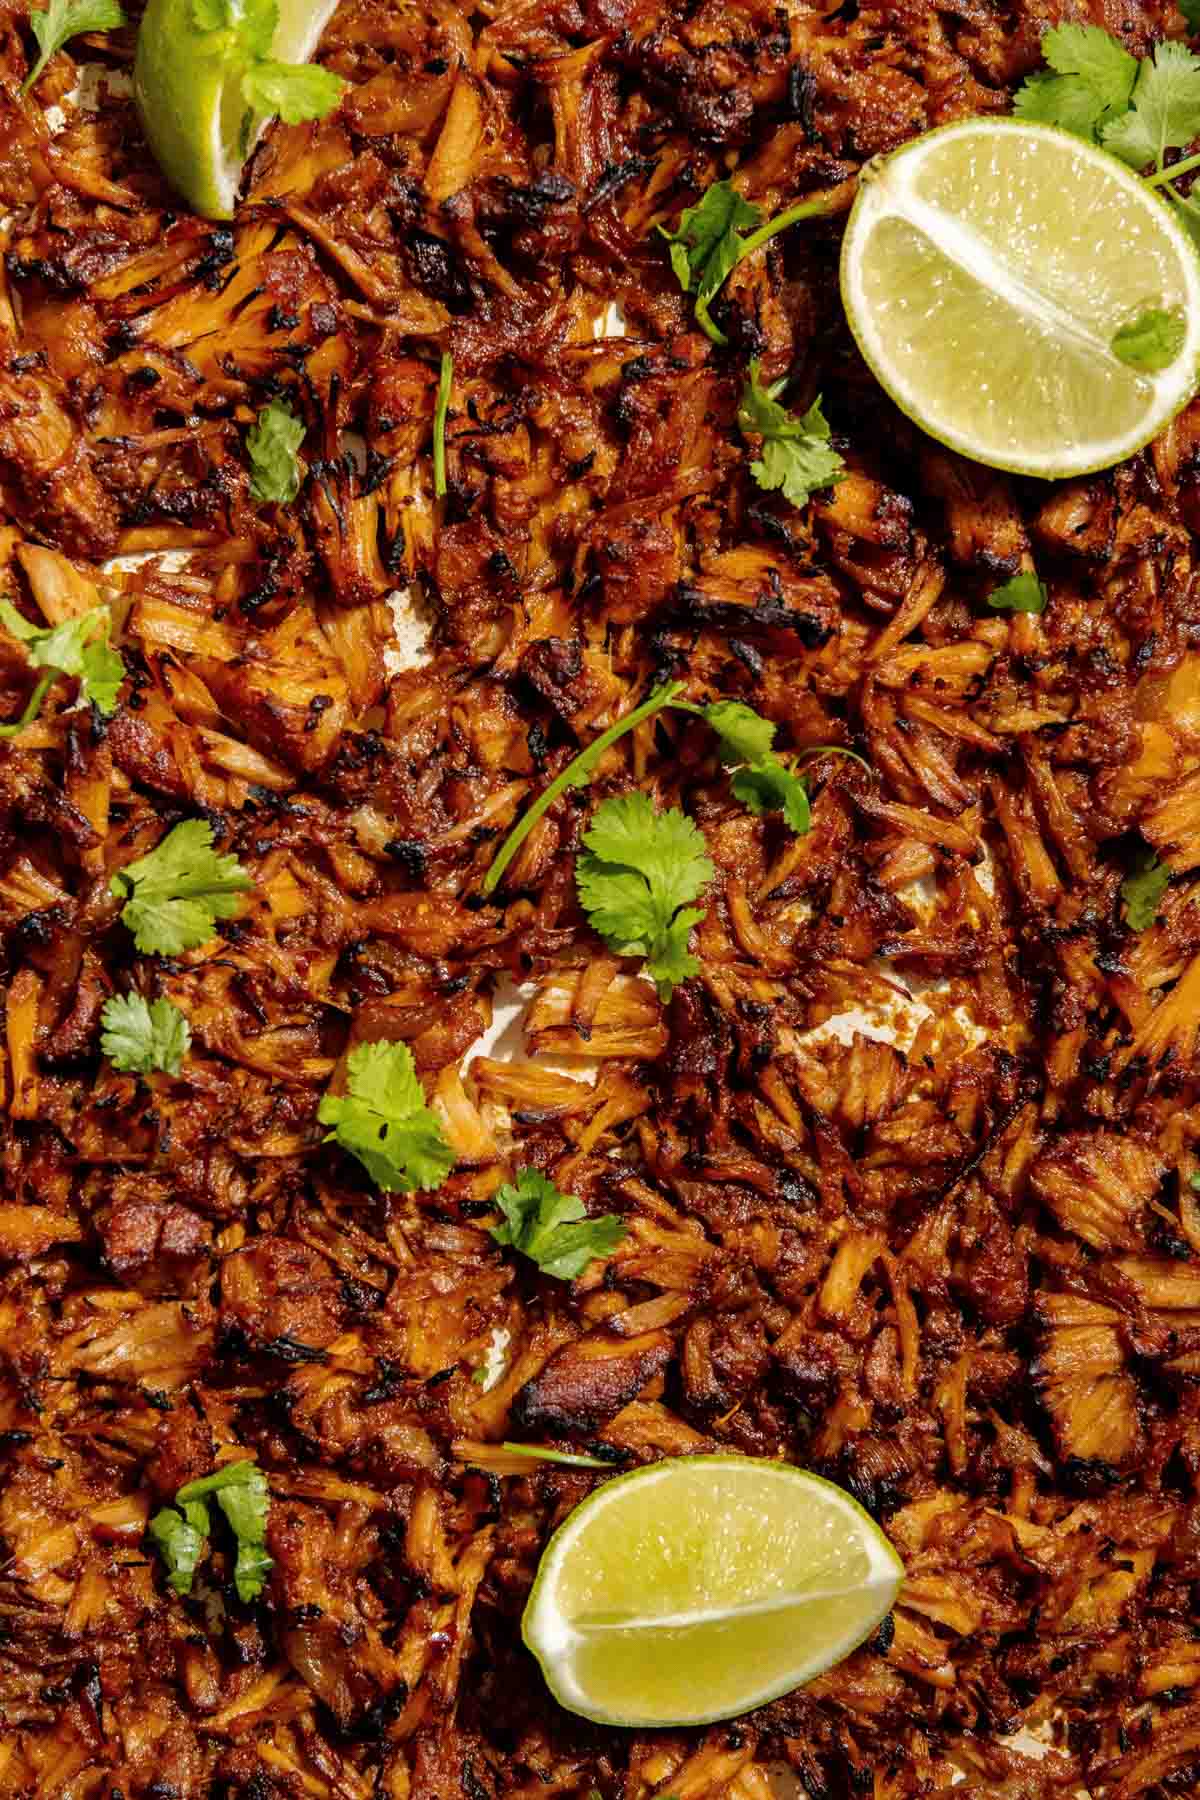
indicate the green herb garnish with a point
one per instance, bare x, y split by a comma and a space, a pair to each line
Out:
175, 895
1142, 891
635, 878
553, 1230
569, 1458
384, 1121
707, 244
441, 408
141, 1037
273, 447
241, 1492
1024, 593
577, 773
241, 33
1138, 110
64, 19
78, 647
797, 455
745, 738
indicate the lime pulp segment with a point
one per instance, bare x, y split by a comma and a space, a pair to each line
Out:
987, 267
698, 1588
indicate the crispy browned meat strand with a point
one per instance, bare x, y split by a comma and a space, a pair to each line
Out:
958, 1273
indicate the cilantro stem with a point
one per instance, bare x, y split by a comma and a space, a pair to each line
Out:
33, 707
576, 772
836, 200
440, 409
569, 1458
1165, 177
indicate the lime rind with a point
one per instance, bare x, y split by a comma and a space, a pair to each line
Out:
1046, 349
556, 1640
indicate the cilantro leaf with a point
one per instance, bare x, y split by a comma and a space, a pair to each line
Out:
382, 1119
295, 91
1150, 342
440, 409
272, 445
796, 452
64, 19
174, 896
140, 1037
745, 735
551, 1228
705, 246
1142, 891
1165, 113
769, 786
1191, 13
1092, 84
240, 1490
78, 647
180, 1538
1024, 593
639, 868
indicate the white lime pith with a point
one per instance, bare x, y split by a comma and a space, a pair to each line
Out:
986, 268
190, 100
701, 1587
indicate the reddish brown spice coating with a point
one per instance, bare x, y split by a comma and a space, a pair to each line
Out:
958, 1272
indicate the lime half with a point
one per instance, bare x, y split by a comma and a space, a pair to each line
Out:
190, 99
701, 1587
987, 267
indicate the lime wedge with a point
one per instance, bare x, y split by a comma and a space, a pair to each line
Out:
701, 1587
195, 119
987, 267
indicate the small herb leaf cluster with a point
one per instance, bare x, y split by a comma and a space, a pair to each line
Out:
241, 1492
382, 1119
552, 1229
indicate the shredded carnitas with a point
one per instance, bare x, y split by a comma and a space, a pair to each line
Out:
953, 1265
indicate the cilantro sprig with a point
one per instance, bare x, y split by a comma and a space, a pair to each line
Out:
241, 1492
141, 1037
707, 244
635, 879
553, 1230
1143, 889
759, 779
241, 33
62, 20
796, 454
77, 647
764, 785
382, 1120
1138, 110
273, 449
175, 895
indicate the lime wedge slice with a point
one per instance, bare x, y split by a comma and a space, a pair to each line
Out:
701, 1587
986, 268
197, 124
